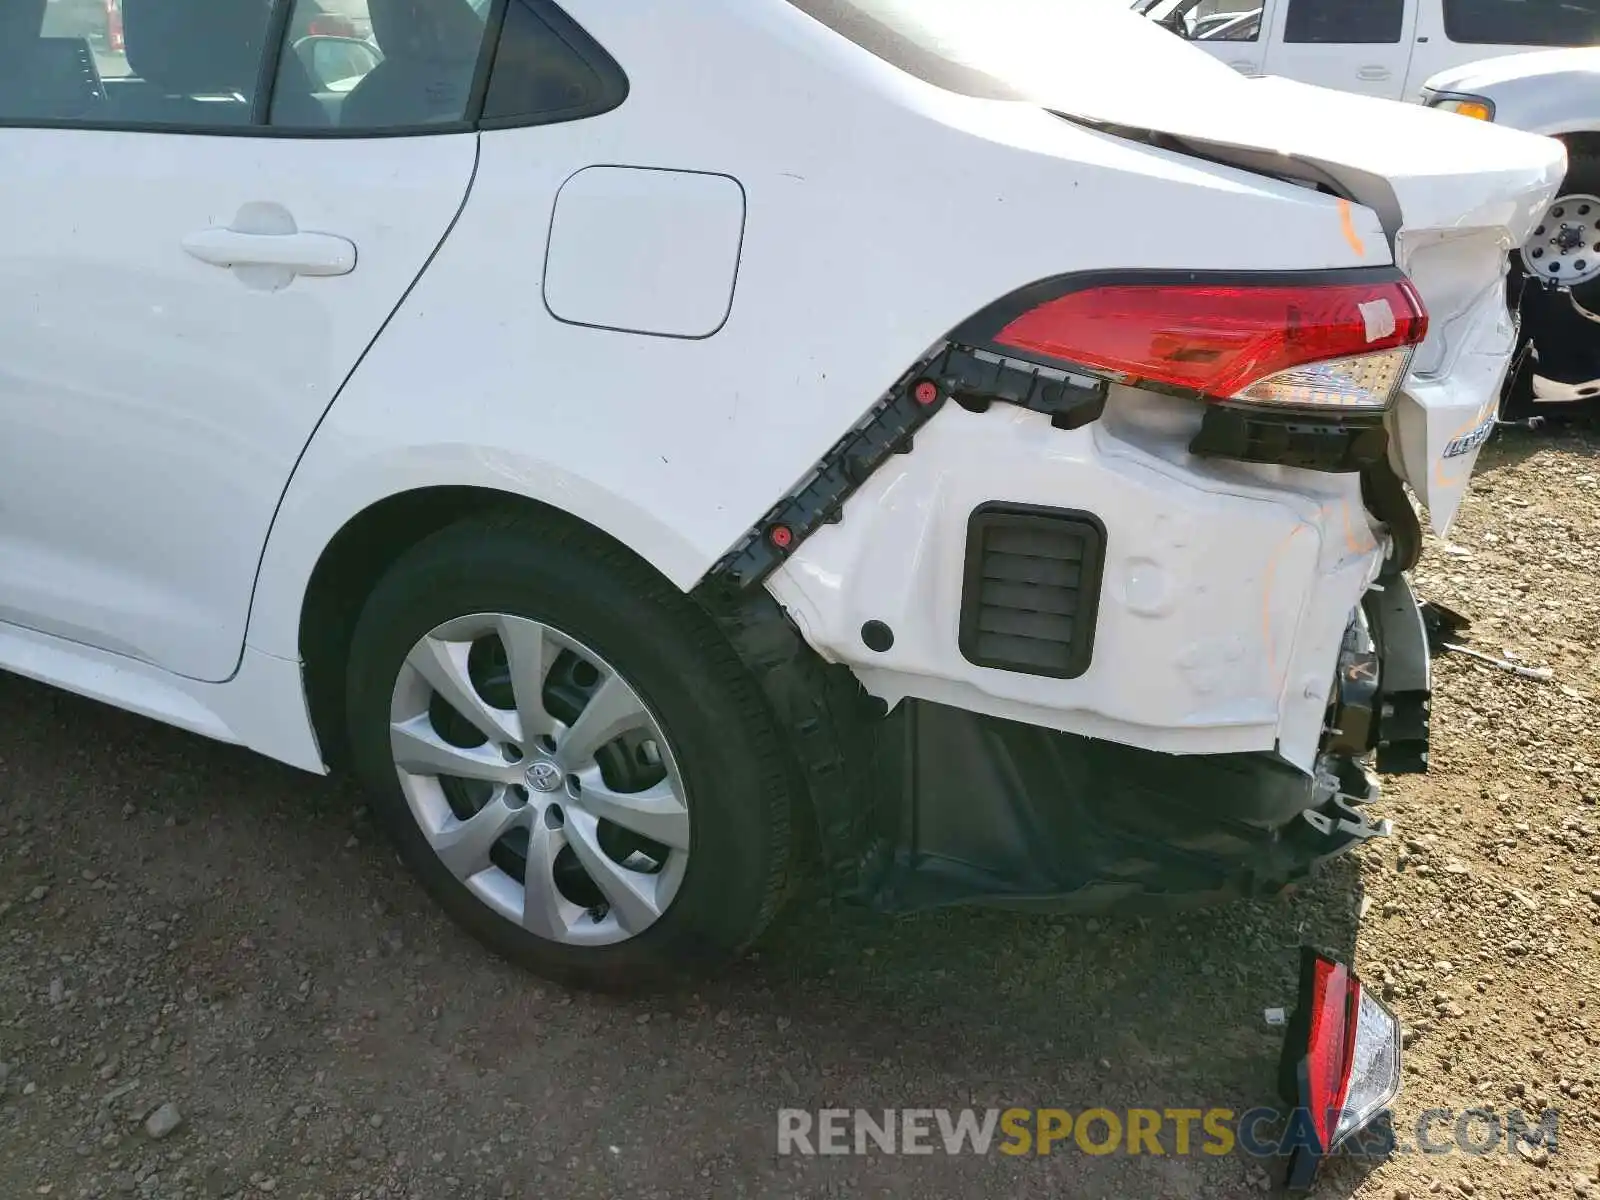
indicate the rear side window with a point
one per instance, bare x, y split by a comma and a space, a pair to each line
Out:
1523, 22
1345, 22
547, 69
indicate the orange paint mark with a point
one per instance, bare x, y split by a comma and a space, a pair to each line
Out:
1348, 221
1266, 602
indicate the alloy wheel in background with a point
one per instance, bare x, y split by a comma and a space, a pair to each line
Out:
540, 779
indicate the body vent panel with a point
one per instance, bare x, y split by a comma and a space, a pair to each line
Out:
1031, 593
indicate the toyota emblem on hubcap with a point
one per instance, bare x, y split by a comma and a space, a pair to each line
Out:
544, 777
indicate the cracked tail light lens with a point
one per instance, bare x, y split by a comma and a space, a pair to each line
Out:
1317, 346
1373, 1078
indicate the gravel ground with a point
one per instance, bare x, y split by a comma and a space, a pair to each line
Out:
216, 981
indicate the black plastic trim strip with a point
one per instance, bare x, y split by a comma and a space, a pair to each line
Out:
1336, 441
1385, 498
970, 378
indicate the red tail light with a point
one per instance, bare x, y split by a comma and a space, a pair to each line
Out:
1344, 344
1329, 1045
1341, 1061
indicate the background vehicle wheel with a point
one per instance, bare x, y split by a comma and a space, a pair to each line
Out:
1562, 326
568, 754
1564, 247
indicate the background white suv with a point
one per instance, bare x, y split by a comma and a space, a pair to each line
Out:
1376, 47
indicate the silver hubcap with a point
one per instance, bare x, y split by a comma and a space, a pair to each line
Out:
540, 778
1565, 246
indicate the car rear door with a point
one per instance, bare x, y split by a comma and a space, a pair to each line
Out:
188, 272
1352, 45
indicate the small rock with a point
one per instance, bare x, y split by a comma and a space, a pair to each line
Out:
58, 991
1533, 1153
29, 1088
164, 1121
376, 1120
38, 894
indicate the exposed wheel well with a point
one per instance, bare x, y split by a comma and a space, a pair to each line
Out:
1582, 143
352, 563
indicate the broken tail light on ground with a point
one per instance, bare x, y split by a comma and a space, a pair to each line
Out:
1340, 1067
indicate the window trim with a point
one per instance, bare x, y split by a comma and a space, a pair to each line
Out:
277, 30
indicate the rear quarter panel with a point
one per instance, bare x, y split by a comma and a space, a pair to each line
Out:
880, 212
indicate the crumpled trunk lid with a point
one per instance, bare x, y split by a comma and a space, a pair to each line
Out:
1454, 196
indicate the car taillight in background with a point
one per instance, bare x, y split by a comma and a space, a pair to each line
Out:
1341, 1061
114, 38
326, 26
1335, 345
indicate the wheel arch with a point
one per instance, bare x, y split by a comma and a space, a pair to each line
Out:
331, 587
1585, 142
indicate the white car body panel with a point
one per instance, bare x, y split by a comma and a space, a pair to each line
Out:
1550, 92
694, 473
1454, 203
645, 251
879, 212
1213, 579
153, 404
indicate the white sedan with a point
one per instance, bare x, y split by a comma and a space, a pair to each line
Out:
629, 435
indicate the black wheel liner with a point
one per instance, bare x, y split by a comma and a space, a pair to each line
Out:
932, 805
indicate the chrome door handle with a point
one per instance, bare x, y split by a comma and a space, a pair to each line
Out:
1373, 73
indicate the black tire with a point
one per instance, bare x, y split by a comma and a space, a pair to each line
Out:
736, 777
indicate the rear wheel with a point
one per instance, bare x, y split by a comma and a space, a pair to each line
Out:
568, 754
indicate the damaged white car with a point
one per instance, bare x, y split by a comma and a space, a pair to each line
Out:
631, 433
